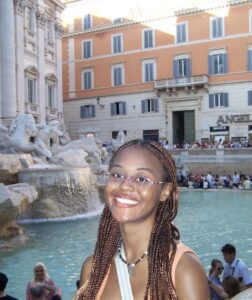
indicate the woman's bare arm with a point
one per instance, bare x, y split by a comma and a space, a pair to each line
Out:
191, 279
85, 270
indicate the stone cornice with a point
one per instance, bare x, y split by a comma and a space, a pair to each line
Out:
19, 5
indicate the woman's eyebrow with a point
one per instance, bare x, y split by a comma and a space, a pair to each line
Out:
138, 169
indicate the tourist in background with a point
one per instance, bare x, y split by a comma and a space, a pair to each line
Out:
231, 286
247, 183
41, 276
235, 267
217, 291
138, 254
3, 284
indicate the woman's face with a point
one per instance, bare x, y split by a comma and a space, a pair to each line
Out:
219, 268
39, 273
127, 200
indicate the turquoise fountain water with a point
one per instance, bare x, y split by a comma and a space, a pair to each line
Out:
207, 220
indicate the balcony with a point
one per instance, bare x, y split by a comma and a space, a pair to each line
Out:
190, 83
51, 113
32, 108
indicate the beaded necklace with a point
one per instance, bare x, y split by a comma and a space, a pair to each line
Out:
130, 265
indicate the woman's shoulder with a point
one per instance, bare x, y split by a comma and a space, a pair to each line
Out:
86, 268
190, 276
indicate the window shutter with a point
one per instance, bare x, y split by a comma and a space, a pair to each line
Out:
93, 110
145, 39
150, 38
113, 109
183, 33
119, 44
175, 68
114, 44
188, 67
124, 108
151, 72
249, 97
225, 98
250, 60
224, 62
119, 76
155, 101
214, 33
144, 102
219, 22
178, 33
82, 112
210, 64
211, 101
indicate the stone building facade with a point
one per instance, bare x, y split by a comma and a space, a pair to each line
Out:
181, 75
30, 59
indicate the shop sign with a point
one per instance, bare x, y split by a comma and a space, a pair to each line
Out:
234, 119
219, 128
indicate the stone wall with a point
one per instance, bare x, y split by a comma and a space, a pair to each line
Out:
217, 161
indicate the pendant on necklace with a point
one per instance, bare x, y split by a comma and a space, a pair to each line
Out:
131, 269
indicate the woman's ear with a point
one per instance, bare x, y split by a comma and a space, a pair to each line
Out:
165, 192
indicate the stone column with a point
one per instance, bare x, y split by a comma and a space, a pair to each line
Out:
59, 90
7, 57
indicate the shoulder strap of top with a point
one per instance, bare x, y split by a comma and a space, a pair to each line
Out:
181, 249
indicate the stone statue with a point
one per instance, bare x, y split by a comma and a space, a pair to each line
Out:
118, 141
47, 135
18, 138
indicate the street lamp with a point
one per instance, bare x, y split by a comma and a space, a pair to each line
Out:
98, 101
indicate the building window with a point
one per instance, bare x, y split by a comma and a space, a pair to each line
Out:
117, 43
31, 90
87, 22
51, 95
149, 105
181, 33
151, 135
217, 63
87, 79
217, 27
148, 38
50, 31
218, 100
50, 83
87, 49
148, 70
249, 97
181, 67
250, 58
117, 75
31, 19
87, 111
118, 108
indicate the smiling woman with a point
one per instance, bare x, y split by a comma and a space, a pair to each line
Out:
138, 254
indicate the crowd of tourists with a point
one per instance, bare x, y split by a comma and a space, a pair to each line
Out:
217, 144
215, 181
235, 278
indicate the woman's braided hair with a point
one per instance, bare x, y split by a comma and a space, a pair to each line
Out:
162, 245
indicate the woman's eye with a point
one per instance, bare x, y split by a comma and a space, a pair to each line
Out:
116, 175
142, 179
